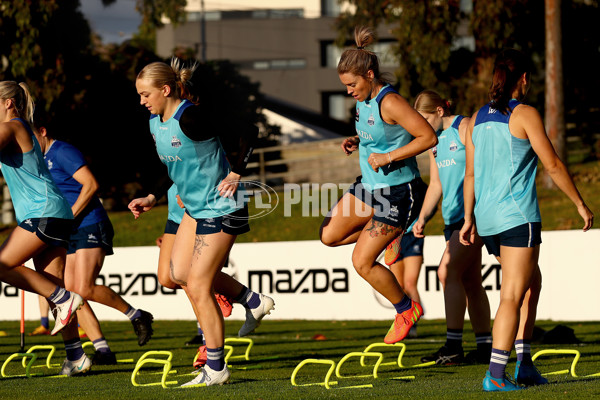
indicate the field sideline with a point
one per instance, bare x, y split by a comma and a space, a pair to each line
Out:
279, 346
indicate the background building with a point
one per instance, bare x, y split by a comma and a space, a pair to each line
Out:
288, 48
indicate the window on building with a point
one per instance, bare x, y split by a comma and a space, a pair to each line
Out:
337, 105
297, 63
330, 8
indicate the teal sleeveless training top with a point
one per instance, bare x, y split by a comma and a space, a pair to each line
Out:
376, 136
34, 194
196, 167
450, 159
505, 168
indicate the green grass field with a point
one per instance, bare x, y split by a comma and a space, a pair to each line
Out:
278, 348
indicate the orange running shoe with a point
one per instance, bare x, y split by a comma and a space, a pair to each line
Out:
403, 322
225, 304
39, 331
200, 359
392, 251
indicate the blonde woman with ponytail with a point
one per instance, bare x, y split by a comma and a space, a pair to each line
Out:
44, 220
386, 199
460, 267
187, 142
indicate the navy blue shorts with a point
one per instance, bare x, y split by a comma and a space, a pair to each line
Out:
411, 246
171, 227
526, 235
449, 229
98, 235
235, 223
396, 206
52, 231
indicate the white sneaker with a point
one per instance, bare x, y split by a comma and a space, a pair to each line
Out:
64, 312
80, 366
209, 377
255, 315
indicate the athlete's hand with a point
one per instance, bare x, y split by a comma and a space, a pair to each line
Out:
141, 205
350, 145
229, 185
418, 228
587, 215
159, 240
378, 160
467, 233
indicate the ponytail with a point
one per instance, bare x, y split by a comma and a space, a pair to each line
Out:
360, 60
21, 96
509, 67
176, 76
429, 100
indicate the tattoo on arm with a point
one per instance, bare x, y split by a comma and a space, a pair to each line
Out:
173, 278
200, 243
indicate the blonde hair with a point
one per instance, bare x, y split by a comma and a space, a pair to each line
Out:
176, 76
360, 60
428, 101
20, 95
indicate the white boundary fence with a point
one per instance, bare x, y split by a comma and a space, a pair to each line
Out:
311, 281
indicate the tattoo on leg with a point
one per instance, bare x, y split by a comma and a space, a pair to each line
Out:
173, 278
379, 228
200, 243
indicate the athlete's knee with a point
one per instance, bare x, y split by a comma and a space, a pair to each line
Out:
442, 275
363, 264
327, 237
164, 278
514, 300
85, 291
199, 290
410, 286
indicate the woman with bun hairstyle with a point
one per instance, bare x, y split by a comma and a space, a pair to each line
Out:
385, 200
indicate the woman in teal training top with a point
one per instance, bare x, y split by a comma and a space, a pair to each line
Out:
187, 142
383, 203
504, 141
44, 220
460, 267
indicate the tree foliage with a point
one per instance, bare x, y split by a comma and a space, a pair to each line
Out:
433, 38
153, 12
42, 43
88, 89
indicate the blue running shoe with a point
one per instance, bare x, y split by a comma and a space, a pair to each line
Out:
528, 375
505, 384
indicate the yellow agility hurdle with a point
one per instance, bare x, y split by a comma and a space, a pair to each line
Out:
48, 359
249, 343
402, 347
144, 359
327, 383
577, 355
27, 368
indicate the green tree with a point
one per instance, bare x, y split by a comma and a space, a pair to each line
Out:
42, 43
429, 48
152, 12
